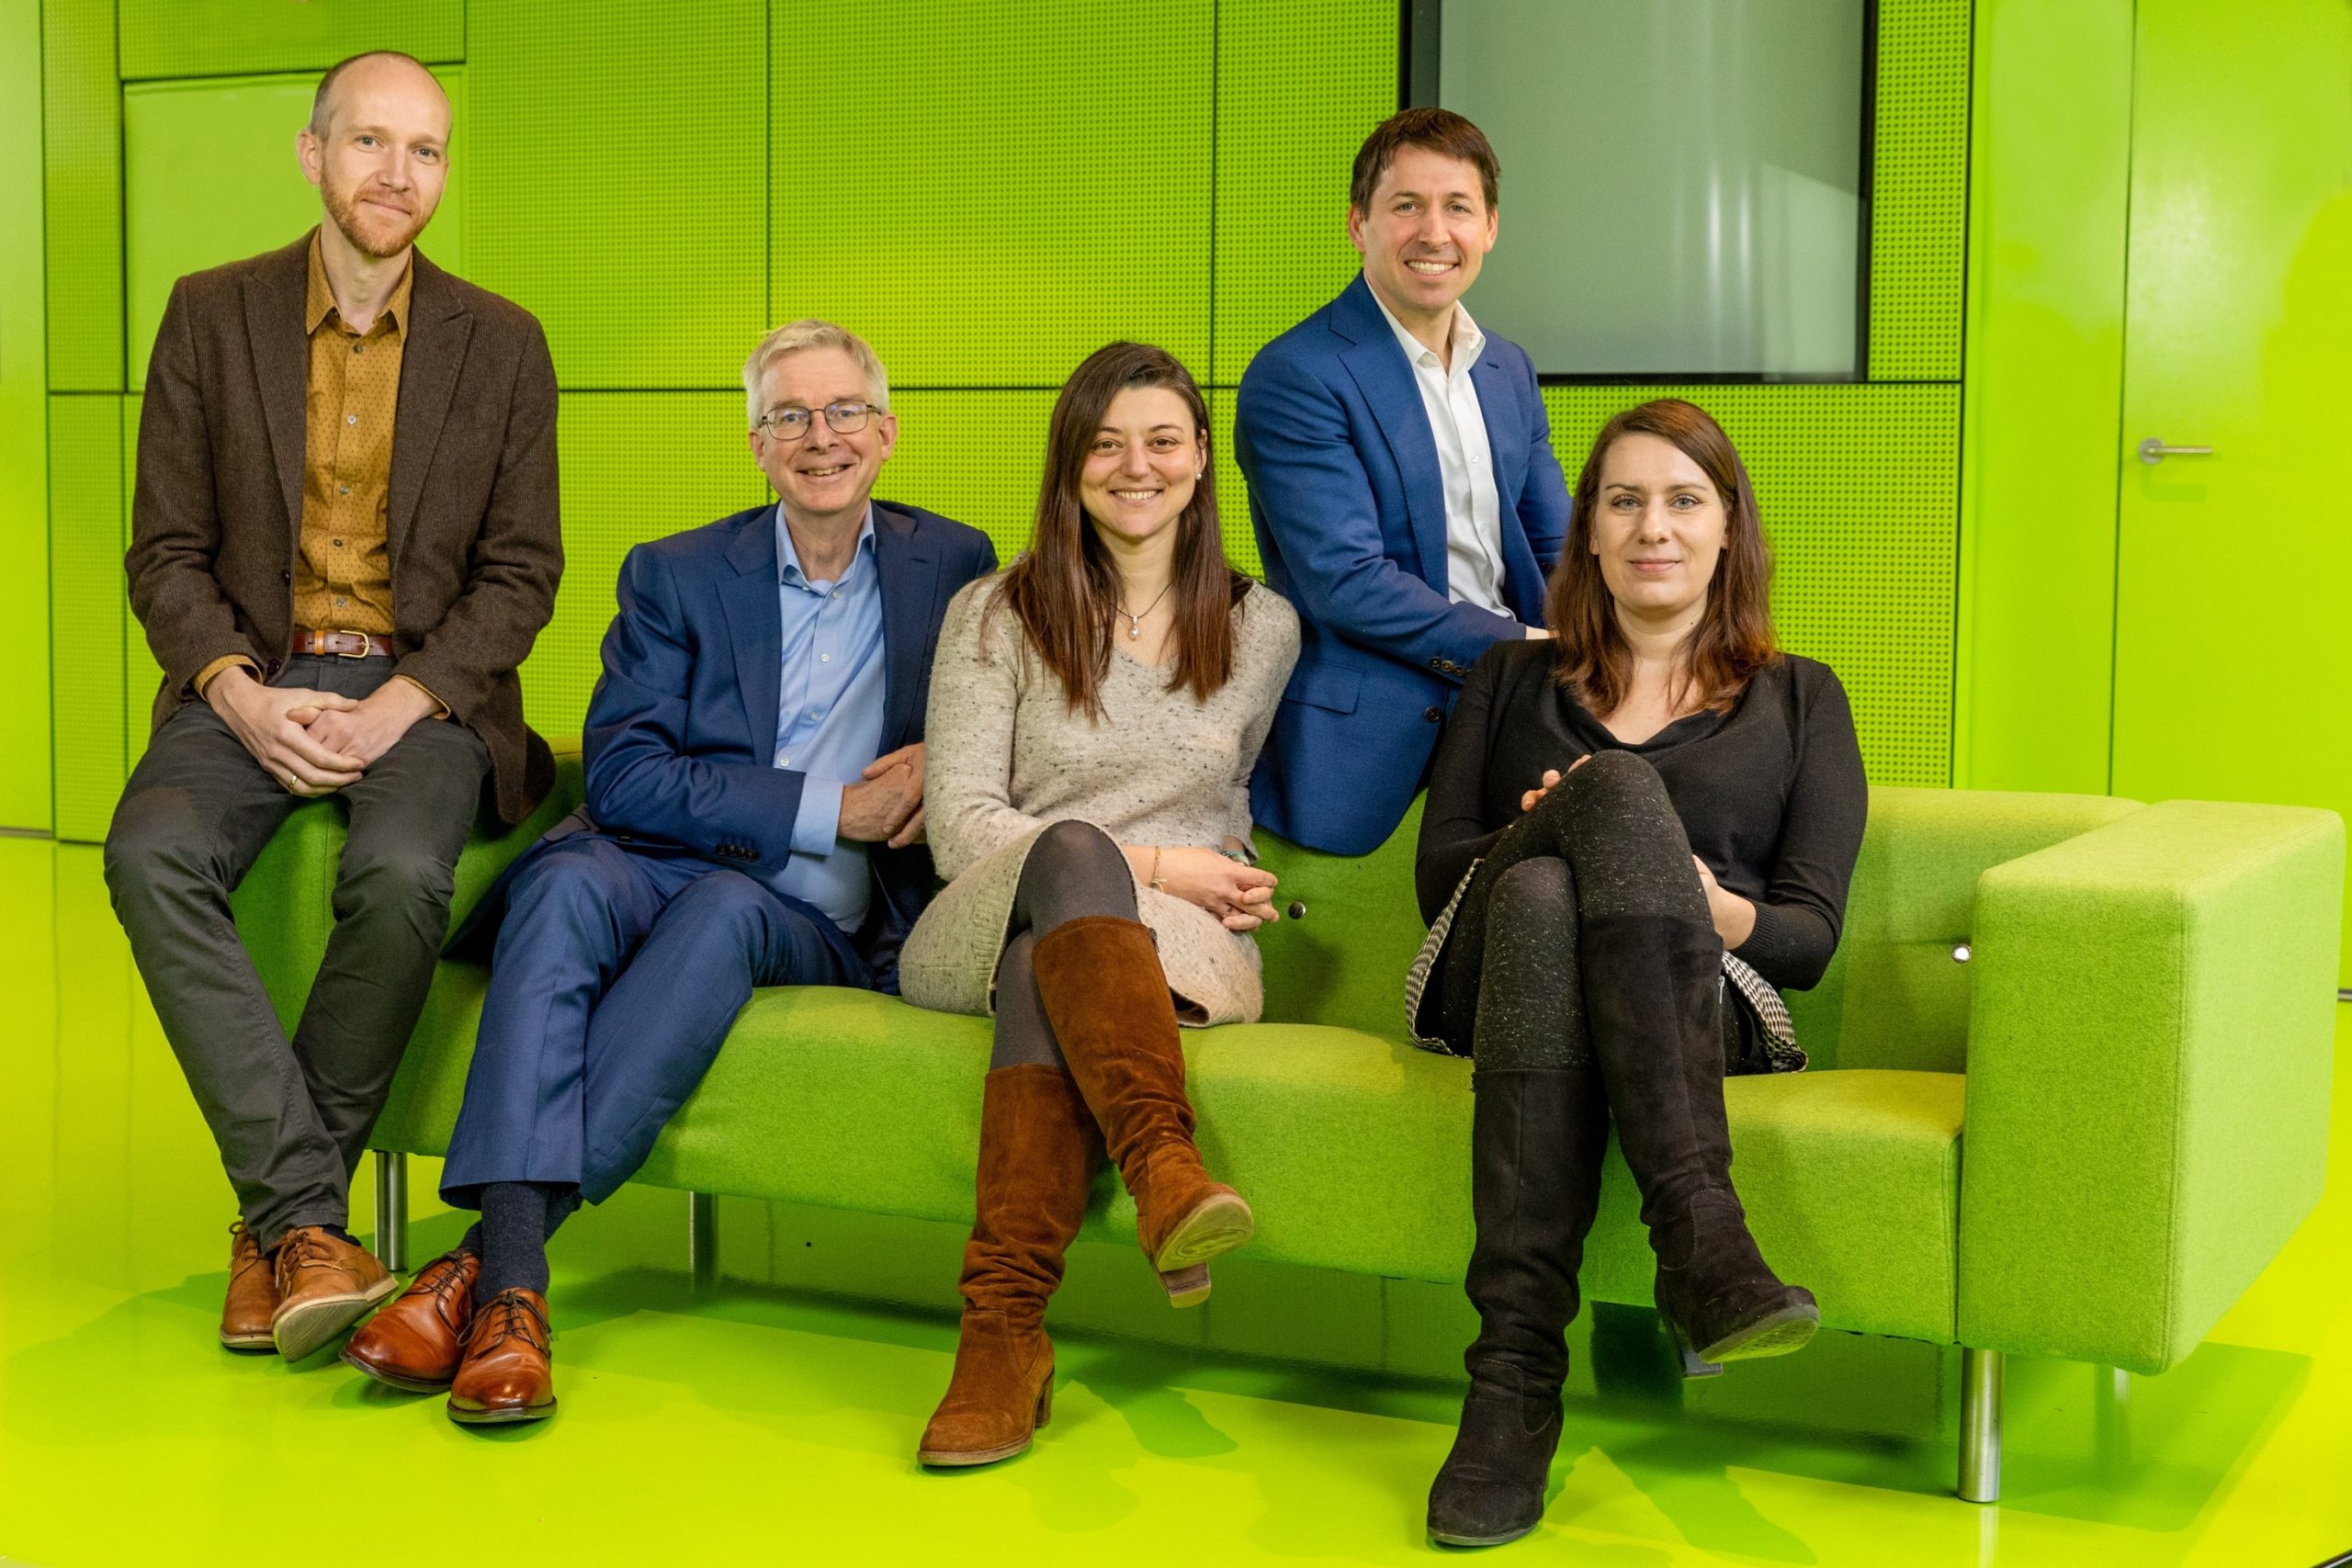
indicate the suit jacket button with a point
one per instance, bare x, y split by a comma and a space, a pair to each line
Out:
1433, 713
284, 577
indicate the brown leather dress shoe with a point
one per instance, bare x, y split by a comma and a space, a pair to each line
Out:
416, 1343
252, 1294
324, 1285
505, 1375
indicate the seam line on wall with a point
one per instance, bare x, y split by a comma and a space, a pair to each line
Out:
2123, 403
1959, 490
1217, 60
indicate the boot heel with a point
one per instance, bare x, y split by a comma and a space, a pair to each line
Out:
1185, 1287
1045, 1400
1693, 1364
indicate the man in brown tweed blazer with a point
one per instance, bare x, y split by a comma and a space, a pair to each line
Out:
344, 539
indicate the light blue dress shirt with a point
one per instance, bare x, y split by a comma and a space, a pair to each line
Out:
829, 715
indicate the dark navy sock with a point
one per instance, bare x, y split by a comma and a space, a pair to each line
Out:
517, 1217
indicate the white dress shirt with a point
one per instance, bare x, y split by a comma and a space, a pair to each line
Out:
1473, 523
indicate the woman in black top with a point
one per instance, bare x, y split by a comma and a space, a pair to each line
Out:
1634, 831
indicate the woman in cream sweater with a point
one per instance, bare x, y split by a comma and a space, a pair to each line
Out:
1095, 711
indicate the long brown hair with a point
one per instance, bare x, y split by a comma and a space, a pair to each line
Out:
1064, 589
1733, 638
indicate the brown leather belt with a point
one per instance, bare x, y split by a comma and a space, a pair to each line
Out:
342, 645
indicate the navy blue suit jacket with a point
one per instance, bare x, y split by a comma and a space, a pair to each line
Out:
680, 740
1348, 507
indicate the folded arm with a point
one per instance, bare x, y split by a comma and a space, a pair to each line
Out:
516, 560
640, 777
175, 529
1307, 480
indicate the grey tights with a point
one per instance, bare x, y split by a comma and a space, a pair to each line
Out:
1073, 870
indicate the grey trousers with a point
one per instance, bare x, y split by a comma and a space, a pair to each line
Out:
291, 1117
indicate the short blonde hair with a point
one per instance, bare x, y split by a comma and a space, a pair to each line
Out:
795, 336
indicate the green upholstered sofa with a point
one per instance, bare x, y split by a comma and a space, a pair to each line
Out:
2069, 1092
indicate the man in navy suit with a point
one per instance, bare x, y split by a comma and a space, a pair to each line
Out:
1402, 487
755, 765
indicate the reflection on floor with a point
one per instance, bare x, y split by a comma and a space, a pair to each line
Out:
770, 1420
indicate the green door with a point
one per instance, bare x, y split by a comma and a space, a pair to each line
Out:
2233, 641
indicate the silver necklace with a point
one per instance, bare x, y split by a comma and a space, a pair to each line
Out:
1135, 623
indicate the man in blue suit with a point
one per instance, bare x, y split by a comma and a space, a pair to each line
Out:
755, 766
1402, 487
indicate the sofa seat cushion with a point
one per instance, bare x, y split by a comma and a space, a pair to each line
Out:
1353, 1150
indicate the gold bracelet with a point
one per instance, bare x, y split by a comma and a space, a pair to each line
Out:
1159, 883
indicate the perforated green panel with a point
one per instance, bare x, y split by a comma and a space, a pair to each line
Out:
1300, 83
975, 456
619, 184
82, 156
177, 135
1857, 487
636, 466
87, 610
1919, 190
1232, 492
216, 38
991, 190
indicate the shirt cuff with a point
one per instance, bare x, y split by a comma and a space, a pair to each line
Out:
204, 677
819, 823
440, 708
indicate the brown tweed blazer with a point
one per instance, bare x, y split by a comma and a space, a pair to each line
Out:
475, 538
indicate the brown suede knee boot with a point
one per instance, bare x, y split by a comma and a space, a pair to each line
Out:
1039, 1151
1107, 998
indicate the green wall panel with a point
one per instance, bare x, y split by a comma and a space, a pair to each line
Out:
82, 159
636, 466
2036, 631
1856, 487
975, 456
1300, 85
1232, 491
1919, 190
989, 190
220, 38
177, 135
88, 612
620, 188
26, 794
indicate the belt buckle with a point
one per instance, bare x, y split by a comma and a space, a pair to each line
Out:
364, 639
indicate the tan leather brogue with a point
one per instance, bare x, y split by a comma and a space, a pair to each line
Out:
252, 1294
505, 1375
324, 1285
416, 1343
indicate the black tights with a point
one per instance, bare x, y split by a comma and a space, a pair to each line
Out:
1605, 842
1074, 869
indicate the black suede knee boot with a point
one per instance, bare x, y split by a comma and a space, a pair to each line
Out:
1537, 1139
1538, 1132
1653, 994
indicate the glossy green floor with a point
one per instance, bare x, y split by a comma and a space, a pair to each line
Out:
761, 1424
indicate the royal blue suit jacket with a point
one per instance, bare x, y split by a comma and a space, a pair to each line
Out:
680, 740
1348, 507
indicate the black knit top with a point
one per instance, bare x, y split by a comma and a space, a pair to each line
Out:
1772, 793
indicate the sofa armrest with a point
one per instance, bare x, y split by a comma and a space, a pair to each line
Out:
2148, 1074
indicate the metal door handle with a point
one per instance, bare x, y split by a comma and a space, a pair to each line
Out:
2154, 450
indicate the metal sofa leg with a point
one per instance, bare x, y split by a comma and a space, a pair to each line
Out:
702, 1240
1980, 1425
392, 1209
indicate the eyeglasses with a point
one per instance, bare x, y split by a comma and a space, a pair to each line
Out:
791, 421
